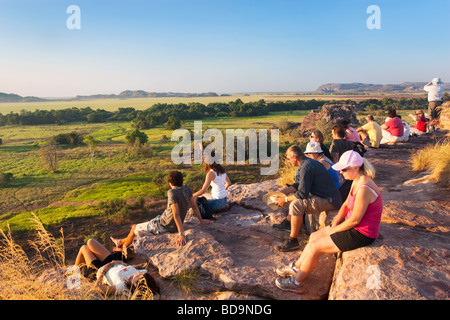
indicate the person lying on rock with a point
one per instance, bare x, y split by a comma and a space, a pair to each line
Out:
314, 191
117, 277
360, 216
179, 201
112, 272
93, 255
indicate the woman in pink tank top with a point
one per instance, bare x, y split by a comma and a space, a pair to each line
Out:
356, 224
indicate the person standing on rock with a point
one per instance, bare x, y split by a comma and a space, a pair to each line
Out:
434, 90
180, 200
314, 191
356, 224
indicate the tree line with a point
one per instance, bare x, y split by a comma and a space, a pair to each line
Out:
171, 115
157, 114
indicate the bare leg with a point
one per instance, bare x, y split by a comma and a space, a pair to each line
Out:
310, 256
125, 241
91, 251
296, 223
98, 249
313, 237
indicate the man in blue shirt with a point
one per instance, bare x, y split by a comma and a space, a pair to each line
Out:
313, 192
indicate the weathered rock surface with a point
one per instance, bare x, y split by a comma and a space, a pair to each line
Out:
236, 259
405, 264
236, 252
410, 260
329, 113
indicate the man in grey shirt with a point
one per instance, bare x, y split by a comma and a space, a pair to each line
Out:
313, 192
179, 201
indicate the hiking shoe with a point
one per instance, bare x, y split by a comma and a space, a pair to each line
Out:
288, 284
287, 271
288, 245
285, 225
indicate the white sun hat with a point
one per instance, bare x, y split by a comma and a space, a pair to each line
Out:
313, 147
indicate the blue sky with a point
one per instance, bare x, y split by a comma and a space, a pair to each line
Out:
223, 46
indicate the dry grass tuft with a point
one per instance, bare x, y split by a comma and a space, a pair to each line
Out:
435, 159
445, 117
41, 277
287, 173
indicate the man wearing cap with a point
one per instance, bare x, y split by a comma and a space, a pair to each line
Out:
356, 225
313, 192
434, 90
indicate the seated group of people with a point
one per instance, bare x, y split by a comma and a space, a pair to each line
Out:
393, 130
335, 179
113, 274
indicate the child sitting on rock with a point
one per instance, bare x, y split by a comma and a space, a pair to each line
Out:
179, 201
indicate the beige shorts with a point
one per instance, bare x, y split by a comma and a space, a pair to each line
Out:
153, 226
434, 109
310, 205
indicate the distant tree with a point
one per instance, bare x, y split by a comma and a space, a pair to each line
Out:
137, 143
49, 156
73, 138
173, 123
92, 144
136, 135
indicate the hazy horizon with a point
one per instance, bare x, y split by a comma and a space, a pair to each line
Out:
217, 46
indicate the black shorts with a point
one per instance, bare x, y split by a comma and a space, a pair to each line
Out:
350, 240
116, 255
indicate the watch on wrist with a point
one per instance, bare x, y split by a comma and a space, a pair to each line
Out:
181, 233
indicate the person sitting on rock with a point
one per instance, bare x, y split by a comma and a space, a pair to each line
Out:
313, 192
392, 130
217, 178
350, 133
361, 213
421, 123
370, 133
317, 136
180, 200
339, 145
314, 151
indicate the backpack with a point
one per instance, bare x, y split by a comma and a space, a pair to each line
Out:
359, 147
204, 208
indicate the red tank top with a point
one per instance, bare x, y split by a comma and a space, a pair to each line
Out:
370, 222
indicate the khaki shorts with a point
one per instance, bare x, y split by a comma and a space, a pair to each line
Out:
434, 109
153, 226
310, 205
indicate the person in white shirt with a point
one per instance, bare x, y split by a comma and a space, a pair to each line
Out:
434, 90
217, 178
117, 277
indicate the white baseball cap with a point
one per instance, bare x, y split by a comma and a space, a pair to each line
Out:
348, 159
